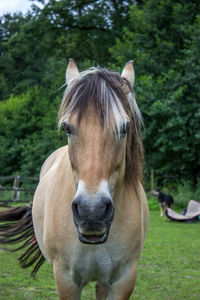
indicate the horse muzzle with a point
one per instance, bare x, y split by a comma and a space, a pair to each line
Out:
92, 218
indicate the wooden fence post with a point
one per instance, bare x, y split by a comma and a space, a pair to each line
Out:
152, 179
16, 193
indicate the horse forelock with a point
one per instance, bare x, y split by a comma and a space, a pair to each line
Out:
104, 92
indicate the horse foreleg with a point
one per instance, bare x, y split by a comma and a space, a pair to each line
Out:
101, 292
123, 289
66, 289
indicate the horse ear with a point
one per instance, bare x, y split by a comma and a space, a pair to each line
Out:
72, 71
128, 72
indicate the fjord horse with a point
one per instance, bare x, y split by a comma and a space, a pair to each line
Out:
90, 213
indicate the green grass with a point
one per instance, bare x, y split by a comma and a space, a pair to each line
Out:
170, 265
169, 268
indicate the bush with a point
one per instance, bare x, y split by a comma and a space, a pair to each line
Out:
184, 193
29, 131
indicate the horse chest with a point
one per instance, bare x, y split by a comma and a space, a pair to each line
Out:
97, 264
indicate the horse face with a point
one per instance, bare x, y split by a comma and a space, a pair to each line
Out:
97, 158
96, 111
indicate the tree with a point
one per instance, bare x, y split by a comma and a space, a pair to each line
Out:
163, 39
83, 30
9, 26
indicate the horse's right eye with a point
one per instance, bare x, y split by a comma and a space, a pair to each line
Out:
68, 129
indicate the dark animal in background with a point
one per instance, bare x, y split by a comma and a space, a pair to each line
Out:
164, 200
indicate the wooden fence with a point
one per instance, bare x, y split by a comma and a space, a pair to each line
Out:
16, 181
156, 180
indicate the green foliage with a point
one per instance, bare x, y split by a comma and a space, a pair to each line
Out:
161, 36
44, 39
184, 193
152, 202
28, 132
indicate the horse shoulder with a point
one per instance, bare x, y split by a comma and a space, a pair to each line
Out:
53, 160
45, 191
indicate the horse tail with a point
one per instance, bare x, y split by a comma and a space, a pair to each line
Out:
16, 227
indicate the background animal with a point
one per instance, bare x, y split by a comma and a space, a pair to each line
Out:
164, 200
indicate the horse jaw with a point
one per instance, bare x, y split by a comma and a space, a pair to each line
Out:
72, 71
128, 72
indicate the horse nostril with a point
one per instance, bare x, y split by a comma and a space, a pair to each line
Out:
108, 208
75, 210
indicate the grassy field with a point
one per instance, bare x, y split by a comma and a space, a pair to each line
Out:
169, 268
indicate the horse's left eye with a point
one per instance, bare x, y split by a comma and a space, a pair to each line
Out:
125, 128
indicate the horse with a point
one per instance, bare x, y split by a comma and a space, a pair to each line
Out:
89, 215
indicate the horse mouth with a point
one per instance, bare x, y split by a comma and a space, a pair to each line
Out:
93, 238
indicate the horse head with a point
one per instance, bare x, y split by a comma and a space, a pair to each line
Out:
97, 112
